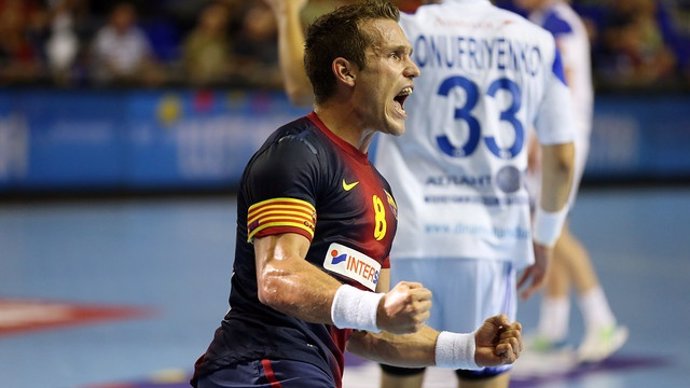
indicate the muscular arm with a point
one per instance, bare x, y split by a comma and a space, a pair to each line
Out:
496, 342
289, 283
408, 350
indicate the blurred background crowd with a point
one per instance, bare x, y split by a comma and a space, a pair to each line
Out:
636, 44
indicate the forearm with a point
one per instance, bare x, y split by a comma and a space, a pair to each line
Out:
557, 176
557, 180
291, 54
305, 294
414, 350
290, 284
425, 347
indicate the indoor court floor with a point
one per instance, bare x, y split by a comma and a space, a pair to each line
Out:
126, 293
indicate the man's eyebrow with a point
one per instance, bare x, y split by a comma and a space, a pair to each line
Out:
402, 48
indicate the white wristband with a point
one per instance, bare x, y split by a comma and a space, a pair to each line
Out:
456, 351
547, 225
355, 309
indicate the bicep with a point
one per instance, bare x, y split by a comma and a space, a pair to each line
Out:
278, 258
275, 251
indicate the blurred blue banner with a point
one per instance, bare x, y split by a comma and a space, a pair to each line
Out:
641, 137
124, 140
171, 140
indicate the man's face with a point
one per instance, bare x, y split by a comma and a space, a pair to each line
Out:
386, 80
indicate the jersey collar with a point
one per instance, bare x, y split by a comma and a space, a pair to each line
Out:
342, 144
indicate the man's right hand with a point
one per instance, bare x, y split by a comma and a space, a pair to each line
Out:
404, 309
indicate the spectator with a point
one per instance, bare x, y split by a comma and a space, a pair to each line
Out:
62, 46
675, 23
256, 47
20, 56
121, 52
315, 8
634, 46
206, 50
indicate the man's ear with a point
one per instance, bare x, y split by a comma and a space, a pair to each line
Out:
344, 71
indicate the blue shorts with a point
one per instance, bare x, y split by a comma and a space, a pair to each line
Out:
465, 292
269, 374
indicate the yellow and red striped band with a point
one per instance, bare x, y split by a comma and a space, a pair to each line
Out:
281, 215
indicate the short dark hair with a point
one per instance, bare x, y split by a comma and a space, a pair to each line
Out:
338, 34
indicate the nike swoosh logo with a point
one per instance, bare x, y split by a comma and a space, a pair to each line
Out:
349, 186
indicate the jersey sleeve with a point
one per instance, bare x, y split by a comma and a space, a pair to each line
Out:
281, 187
563, 33
555, 121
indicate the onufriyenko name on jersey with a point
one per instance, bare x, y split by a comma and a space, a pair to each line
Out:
470, 53
352, 264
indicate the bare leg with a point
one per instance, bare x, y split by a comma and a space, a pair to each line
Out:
572, 265
393, 381
500, 381
571, 262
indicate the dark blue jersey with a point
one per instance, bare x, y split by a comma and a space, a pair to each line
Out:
305, 180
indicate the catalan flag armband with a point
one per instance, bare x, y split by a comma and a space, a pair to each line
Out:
281, 215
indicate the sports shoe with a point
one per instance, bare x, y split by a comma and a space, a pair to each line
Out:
600, 344
541, 344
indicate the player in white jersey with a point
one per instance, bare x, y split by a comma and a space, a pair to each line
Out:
487, 76
571, 260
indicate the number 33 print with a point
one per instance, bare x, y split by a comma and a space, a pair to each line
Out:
464, 113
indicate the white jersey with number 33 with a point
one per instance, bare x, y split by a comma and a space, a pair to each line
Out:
487, 77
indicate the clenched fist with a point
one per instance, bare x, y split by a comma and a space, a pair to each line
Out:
498, 342
404, 309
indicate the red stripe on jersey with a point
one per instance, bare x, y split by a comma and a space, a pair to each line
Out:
270, 375
340, 337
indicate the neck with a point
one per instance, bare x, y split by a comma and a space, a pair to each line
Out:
345, 124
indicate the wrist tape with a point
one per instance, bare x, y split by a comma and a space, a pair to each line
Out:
355, 309
456, 351
548, 225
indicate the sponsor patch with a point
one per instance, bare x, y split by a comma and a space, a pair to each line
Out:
353, 265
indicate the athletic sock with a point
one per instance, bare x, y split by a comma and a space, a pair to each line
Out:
554, 317
595, 309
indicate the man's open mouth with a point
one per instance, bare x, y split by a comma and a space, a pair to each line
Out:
402, 96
